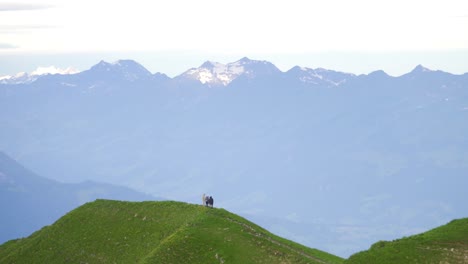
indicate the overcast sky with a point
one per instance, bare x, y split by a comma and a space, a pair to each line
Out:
170, 36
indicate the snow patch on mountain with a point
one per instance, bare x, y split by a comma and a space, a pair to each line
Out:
54, 70
320, 76
25, 78
310, 75
215, 73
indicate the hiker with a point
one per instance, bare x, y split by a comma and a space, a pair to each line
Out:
211, 201
207, 200
203, 200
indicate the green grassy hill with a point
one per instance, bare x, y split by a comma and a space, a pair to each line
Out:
444, 244
156, 232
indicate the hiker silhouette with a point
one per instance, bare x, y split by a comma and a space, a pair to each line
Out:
211, 201
208, 200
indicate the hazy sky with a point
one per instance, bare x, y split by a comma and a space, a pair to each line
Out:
170, 36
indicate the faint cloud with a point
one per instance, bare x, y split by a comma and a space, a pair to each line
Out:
458, 16
19, 29
22, 6
7, 46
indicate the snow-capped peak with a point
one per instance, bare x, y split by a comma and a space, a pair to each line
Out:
24, 77
19, 78
16, 76
217, 73
54, 70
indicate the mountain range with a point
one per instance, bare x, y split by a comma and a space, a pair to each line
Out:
329, 159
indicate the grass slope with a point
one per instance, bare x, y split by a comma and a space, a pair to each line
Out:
155, 232
444, 244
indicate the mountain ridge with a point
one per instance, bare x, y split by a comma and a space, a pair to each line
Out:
210, 72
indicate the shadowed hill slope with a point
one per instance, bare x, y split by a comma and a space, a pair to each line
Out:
107, 231
444, 244
29, 201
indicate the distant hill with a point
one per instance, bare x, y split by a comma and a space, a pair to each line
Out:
107, 231
29, 201
445, 244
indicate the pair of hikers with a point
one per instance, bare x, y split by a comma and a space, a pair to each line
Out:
208, 200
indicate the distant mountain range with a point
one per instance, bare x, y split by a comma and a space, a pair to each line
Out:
209, 73
28, 201
332, 160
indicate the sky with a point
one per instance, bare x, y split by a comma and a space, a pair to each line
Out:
357, 36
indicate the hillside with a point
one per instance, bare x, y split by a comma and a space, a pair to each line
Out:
444, 244
107, 231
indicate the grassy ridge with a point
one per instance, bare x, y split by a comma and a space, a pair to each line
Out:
156, 232
445, 244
